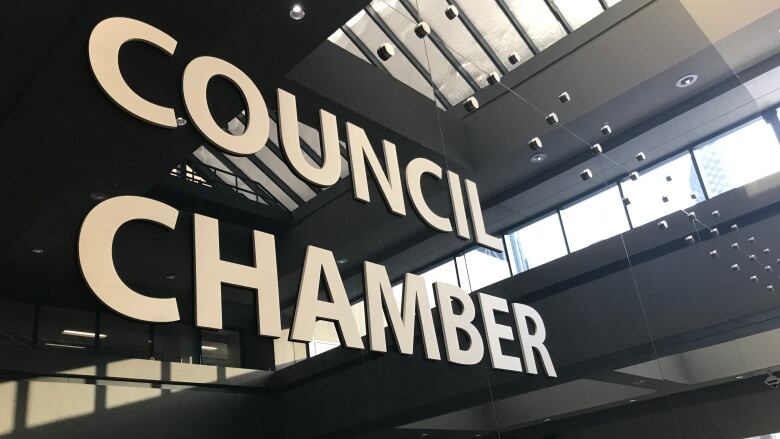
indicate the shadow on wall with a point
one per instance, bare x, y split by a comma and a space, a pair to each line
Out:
65, 407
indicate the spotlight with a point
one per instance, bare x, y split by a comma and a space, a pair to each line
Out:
513, 58
716, 213
634, 176
691, 215
665, 199
606, 130
626, 201
180, 121
690, 239
596, 149
38, 251
752, 258
735, 267
535, 144
385, 51
770, 288
551, 119
752, 239
668, 178
766, 251
686, 81
564, 97
735, 245
297, 12
586, 175
714, 231
714, 254
493, 78
640, 157
734, 227
694, 196
471, 104
451, 12
754, 279
538, 157
422, 29
663, 225
768, 268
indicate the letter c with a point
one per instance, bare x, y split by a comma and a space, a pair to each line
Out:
104, 43
96, 242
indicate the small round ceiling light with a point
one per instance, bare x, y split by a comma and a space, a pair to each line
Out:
297, 12
180, 121
97, 196
342, 261
686, 81
538, 157
38, 251
170, 276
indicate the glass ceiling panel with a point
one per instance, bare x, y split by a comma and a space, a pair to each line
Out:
538, 21
457, 39
398, 66
312, 137
496, 29
611, 3
579, 12
207, 158
340, 39
254, 173
444, 75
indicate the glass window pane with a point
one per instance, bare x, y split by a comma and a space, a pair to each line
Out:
594, 219
675, 179
611, 3
485, 267
579, 12
220, 348
457, 40
398, 66
445, 272
175, 342
124, 337
66, 329
536, 244
444, 75
340, 39
16, 324
538, 21
496, 29
735, 159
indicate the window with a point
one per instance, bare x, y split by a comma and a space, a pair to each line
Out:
124, 337
738, 157
536, 244
485, 267
445, 272
538, 20
66, 329
594, 219
220, 348
674, 180
579, 12
16, 324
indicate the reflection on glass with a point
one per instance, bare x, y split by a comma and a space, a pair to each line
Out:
579, 12
675, 179
485, 267
496, 29
340, 39
442, 73
594, 219
538, 21
536, 244
457, 40
16, 324
220, 348
175, 342
398, 66
66, 329
124, 337
738, 157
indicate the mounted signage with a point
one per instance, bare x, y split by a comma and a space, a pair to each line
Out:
96, 238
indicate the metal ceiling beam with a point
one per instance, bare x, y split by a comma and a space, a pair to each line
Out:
439, 43
408, 54
518, 27
241, 175
604, 4
368, 53
479, 38
281, 184
559, 16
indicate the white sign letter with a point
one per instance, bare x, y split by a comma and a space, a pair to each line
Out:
451, 323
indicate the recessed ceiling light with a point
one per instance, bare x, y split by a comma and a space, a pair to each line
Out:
170, 276
297, 12
97, 196
180, 121
739, 377
687, 80
539, 157
342, 261
547, 420
38, 251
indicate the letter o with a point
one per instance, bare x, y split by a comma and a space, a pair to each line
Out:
195, 82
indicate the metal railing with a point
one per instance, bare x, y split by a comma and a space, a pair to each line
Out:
209, 176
